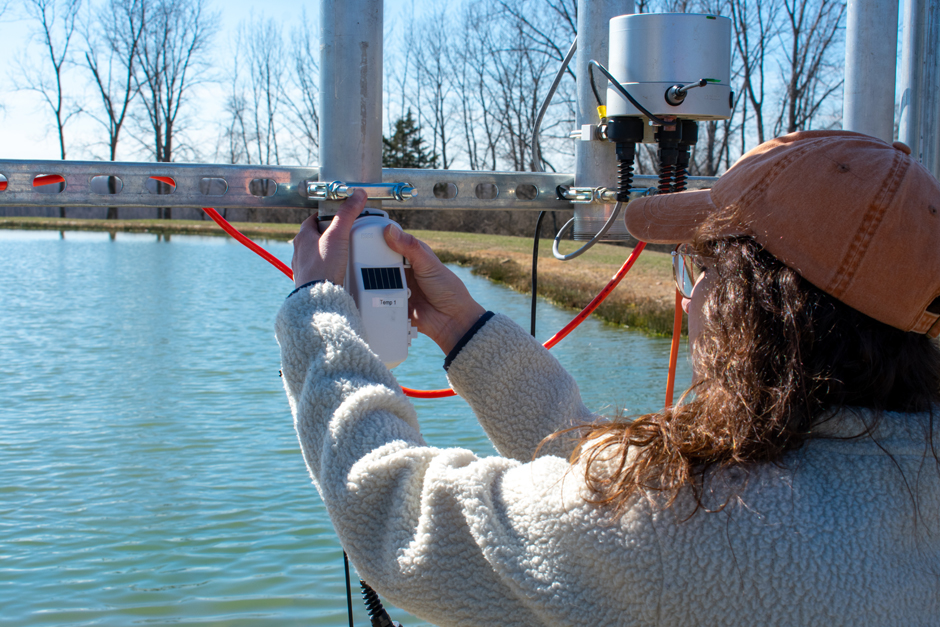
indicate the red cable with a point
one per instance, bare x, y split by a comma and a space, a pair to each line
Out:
231, 230
587, 311
50, 179
47, 179
442, 393
568, 328
674, 351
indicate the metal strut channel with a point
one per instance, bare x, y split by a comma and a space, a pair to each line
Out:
87, 184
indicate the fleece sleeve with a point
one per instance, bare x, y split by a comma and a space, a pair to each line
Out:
419, 523
518, 390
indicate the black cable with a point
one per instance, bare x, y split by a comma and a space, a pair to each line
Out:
626, 132
535, 269
377, 614
613, 81
689, 139
348, 589
597, 96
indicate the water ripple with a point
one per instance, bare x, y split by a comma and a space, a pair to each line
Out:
153, 475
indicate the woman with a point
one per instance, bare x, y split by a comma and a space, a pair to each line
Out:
797, 484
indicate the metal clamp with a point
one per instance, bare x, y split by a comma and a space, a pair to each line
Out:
337, 190
590, 132
588, 195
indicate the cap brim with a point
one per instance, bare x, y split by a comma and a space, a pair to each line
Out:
668, 218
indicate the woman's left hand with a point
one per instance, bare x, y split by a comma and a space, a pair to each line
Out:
323, 256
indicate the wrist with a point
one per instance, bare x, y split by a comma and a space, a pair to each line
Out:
469, 335
458, 326
306, 285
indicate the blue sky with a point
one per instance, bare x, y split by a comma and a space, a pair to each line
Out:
27, 128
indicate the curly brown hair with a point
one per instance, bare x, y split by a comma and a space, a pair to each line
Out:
776, 355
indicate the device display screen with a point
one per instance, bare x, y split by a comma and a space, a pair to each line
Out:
381, 279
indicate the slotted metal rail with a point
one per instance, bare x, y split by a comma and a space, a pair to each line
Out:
118, 184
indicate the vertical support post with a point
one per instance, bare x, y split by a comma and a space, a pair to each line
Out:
350, 93
871, 43
595, 161
919, 123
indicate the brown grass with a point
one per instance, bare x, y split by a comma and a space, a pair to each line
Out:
639, 301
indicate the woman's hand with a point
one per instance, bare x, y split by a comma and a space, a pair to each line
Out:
324, 256
441, 307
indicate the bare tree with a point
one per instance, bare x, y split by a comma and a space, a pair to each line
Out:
808, 68
172, 61
302, 113
255, 121
429, 46
264, 54
3, 9
171, 58
477, 111
464, 90
541, 28
522, 79
520, 47
477, 95
56, 22
755, 32
233, 141
713, 151
115, 37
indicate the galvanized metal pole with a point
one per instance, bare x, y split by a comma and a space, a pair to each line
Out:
595, 161
871, 43
919, 123
350, 93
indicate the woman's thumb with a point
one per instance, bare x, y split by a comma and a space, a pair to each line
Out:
422, 259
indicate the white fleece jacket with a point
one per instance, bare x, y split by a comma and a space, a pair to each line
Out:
829, 538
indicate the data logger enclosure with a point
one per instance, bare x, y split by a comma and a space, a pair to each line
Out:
653, 52
375, 277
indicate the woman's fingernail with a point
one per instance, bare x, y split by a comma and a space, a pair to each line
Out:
395, 232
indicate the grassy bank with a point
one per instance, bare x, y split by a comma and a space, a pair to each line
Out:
643, 300
169, 227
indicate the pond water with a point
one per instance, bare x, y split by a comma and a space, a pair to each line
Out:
151, 474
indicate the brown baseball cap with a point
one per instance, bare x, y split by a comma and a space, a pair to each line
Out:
855, 216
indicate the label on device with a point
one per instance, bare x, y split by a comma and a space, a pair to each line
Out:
378, 301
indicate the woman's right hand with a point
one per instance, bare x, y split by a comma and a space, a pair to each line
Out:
441, 307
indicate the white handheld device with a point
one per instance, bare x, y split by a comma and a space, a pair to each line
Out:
375, 277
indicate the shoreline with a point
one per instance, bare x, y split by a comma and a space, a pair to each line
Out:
644, 300
279, 231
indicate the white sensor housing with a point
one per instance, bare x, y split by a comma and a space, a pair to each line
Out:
375, 277
653, 52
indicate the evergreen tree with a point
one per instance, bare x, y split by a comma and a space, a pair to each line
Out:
406, 149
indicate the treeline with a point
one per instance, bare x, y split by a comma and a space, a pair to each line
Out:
468, 81
476, 78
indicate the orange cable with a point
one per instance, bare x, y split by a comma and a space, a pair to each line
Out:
568, 328
442, 393
587, 311
674, 351
51, 179
48, 179
231, 230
